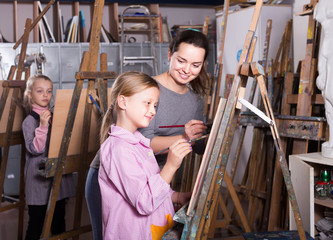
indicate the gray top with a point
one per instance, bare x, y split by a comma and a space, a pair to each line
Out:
173, 109
37, 188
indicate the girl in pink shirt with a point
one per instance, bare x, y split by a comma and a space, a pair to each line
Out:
137, 201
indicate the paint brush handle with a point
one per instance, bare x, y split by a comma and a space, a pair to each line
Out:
193, 140
172, 126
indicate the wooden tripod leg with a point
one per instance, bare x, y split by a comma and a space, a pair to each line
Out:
237, 203
254, 174
83, 157
89, 63
5, 92
13, 106
277, 183
279, 149
218, 223
215, 224
62, 157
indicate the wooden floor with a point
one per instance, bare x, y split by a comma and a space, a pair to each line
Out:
9, 220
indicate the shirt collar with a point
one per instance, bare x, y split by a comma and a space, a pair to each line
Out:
38, 109
132, 138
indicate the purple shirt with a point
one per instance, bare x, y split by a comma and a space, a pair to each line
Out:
38, 188
136, 201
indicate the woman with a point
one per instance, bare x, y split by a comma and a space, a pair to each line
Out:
181, 91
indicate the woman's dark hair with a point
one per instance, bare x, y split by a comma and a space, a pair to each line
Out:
201, 84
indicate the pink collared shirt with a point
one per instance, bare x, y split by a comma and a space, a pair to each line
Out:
136, 201
40, 132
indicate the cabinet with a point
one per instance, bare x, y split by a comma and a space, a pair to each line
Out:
303, 168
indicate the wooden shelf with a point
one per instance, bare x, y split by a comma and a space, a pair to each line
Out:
303, 169
327, 202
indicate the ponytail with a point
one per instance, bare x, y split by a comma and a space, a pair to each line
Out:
106, 123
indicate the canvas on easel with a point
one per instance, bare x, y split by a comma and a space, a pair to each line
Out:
205, 159
61, 108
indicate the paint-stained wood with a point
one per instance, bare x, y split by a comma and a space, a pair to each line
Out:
215, 175
9, 135
88, 64
307, 81
275, 213
282, 159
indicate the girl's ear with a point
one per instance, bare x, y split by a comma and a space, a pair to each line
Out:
169, 55
122, 102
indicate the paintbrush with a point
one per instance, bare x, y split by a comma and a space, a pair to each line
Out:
193, 140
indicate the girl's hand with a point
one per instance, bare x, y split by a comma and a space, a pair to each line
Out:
45, 117
177, 152
194, 129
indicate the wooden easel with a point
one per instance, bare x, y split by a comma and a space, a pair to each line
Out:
200, 221
67, 164
10, 138
304, 101
218, 223
253, 185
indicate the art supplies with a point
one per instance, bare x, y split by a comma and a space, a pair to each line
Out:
193, 140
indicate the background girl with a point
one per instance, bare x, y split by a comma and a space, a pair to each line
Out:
36, 130
137, 202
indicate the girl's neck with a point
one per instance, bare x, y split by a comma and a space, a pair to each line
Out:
38, 109
167, 81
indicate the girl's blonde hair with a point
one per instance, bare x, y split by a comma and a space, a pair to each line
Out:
29, 85
126, 84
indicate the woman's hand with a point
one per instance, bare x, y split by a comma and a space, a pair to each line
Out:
45, 117
194, 129
181, 198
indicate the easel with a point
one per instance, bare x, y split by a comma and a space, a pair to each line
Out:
303, 118
252, 194
200, 221
68, 164
14, 138
217, 223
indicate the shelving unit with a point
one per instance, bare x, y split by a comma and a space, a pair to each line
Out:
145, 20
303, 169
130, 19
14, 13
